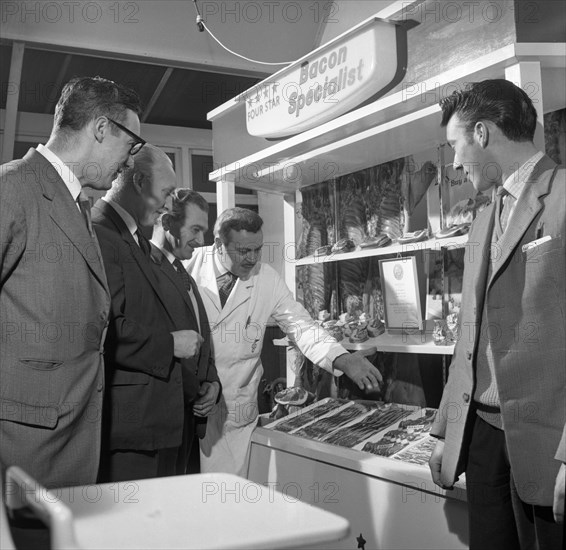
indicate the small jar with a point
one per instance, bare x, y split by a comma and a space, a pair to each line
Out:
452, 328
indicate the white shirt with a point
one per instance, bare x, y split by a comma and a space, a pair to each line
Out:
67, 175
515, 183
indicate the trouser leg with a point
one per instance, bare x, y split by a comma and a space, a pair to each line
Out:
488, 485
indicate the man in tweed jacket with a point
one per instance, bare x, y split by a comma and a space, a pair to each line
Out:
502, 415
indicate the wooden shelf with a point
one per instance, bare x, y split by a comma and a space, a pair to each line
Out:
396, 343
430, 244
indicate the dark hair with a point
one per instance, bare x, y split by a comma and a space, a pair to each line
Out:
181, 198
498, 101
86, 98
238, 219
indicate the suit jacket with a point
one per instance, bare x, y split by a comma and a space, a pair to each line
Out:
54, 305
144, 401
526, 304
180, 307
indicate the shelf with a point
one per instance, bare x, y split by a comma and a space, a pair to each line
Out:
431, 244
394, 126
396, 343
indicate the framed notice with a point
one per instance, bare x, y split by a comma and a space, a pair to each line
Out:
401, 294
456, 193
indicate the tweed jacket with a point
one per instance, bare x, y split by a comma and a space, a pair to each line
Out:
526, 304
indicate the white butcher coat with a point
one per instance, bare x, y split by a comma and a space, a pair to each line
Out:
237, 332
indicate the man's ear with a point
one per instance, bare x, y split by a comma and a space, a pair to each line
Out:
481, 134
218, 243
166, 221
99, 128
138, 180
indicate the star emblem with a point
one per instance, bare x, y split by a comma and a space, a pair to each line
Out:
266, 91
361, 542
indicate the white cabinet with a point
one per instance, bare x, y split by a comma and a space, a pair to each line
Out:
390, 504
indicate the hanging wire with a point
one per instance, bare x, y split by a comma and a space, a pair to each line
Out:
202, 26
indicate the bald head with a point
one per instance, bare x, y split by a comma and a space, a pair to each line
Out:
143, 189
148, 159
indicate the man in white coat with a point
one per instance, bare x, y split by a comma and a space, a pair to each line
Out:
240, 294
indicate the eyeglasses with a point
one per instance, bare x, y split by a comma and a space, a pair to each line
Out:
135, 148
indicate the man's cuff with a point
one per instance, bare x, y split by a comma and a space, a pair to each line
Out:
332, 356
219, 390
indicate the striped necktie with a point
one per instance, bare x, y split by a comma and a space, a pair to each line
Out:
225, 283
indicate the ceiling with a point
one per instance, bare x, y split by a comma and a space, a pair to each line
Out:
184, 98
156, 48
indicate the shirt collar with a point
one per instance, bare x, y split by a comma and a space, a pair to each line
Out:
515, 183
67, 175
219, 269
165, 252
126, 216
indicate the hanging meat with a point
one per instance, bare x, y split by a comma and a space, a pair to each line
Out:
353, 211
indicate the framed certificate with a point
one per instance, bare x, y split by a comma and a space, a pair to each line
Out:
401, 294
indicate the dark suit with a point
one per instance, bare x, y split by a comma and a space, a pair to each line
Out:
54, 305
144, 401
180, 307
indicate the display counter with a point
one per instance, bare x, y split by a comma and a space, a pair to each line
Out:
391, 502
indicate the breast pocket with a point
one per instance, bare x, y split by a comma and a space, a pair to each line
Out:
252, 340
535, 254
546, 263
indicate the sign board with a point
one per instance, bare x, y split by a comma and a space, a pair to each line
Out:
345, 73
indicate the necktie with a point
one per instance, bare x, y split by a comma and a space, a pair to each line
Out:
183, 273
84, 206
188, 284
143, 242
225, 283
502, 210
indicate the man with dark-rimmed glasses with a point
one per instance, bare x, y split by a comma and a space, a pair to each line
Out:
53, 288
138, 141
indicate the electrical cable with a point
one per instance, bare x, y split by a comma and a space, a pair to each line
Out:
203, 26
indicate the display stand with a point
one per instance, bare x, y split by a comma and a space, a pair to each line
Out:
389, 504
